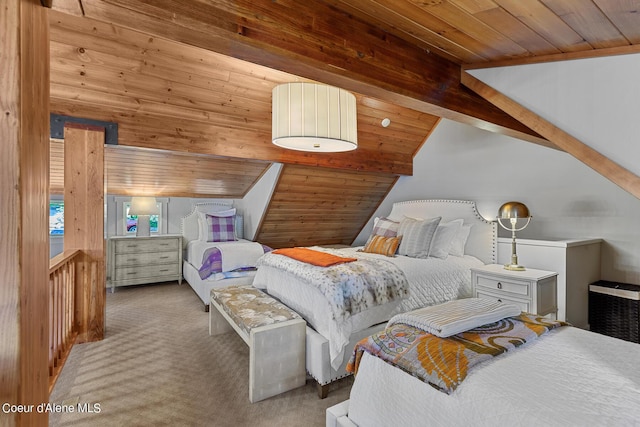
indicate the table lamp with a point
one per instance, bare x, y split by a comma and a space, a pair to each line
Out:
143, 207
513, 211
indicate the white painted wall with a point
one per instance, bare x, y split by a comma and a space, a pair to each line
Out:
567, 199
255, 202
595, 100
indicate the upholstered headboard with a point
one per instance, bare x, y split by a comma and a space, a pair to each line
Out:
482, 241
189, 223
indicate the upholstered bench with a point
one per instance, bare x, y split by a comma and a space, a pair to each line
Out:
274, 333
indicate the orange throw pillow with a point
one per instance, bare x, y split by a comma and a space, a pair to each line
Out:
383, 245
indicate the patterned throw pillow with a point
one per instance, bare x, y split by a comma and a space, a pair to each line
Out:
383, 227
203, 233
416, 236
382, 245
221, 228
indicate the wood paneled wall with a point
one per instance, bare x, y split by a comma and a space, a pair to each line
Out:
131, 171
320, 206
24, 187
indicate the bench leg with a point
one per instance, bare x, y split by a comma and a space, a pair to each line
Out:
217, 323
276, 359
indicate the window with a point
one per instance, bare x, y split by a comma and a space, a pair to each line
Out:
56, 217
131, 221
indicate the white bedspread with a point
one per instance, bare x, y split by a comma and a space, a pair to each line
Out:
431, 281
568, 377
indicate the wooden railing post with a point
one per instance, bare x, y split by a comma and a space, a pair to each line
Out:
62, 332
84, 224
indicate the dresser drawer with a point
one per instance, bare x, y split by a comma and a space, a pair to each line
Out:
512, 286
146, 258
156, 272
524, 305
124, 246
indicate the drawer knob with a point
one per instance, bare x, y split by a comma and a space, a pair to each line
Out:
499, 300
499, 285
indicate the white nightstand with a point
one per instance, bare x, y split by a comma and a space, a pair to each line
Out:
137, 260
533, 290
577, 262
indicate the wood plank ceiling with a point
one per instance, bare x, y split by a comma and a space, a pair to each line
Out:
195, 78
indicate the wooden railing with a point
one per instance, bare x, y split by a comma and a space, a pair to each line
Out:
62, 322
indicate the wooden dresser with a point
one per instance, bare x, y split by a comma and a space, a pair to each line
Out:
137, 260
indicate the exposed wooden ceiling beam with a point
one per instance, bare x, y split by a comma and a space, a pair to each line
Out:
617, 174
316, 41
565, 56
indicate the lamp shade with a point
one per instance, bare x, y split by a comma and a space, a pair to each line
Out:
143, 206
513, 210
314, 117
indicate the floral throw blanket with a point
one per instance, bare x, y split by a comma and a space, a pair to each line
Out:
445, 362
349, 287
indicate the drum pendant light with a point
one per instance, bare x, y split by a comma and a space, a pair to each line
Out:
314, 117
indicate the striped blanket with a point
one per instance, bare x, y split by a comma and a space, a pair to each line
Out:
445, 362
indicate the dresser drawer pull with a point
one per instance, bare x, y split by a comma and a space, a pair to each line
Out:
164, 257
164, 244
499, 300
132, 273
499, 285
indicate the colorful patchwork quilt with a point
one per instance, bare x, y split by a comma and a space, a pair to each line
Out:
445, 362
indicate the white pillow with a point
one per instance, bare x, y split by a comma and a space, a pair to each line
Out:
416, 236
441, 242
202, 221
459, 241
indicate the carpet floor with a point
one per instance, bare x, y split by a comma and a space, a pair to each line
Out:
158, 366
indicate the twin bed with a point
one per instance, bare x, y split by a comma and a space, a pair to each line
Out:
216, 254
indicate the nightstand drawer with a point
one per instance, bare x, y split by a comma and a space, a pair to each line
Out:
157, 271
512, 286
146, 258
524, 305
146, 245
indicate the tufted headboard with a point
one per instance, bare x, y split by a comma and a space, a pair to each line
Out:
482, 241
